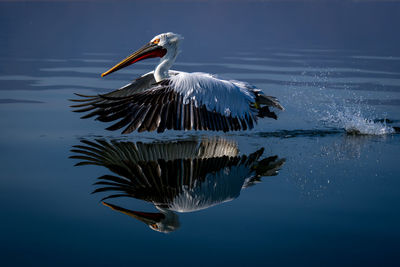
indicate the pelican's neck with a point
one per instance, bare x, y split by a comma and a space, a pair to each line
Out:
166, 62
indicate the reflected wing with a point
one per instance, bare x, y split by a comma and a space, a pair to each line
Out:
105, 153
140, 171
158, 108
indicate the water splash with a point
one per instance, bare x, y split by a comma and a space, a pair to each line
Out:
354, 119
320, 104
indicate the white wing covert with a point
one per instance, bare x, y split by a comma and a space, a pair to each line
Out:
184, 101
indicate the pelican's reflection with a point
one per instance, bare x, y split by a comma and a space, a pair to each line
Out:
180, 176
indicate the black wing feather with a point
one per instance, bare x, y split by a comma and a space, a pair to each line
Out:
147, 106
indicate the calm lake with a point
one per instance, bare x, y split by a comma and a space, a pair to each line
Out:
320, 186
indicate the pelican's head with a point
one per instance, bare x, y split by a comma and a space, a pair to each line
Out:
162, 45
169, 41
165, 221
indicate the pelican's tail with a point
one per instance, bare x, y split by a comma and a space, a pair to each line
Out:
266, 167
265, 112
268, 101
269, 166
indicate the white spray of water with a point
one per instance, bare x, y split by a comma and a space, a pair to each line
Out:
353, 120
342, 109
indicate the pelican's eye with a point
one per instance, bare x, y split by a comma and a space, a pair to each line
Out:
156, 41
154, 226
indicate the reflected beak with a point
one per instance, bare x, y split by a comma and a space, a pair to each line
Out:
148, 218
150, 50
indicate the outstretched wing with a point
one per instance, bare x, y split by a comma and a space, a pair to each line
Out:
148, 106
138, 85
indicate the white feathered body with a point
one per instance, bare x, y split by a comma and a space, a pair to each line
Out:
230, 98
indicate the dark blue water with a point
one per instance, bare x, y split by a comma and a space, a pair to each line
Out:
318, 187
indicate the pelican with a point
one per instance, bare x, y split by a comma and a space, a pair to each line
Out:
169, 99
176, 177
